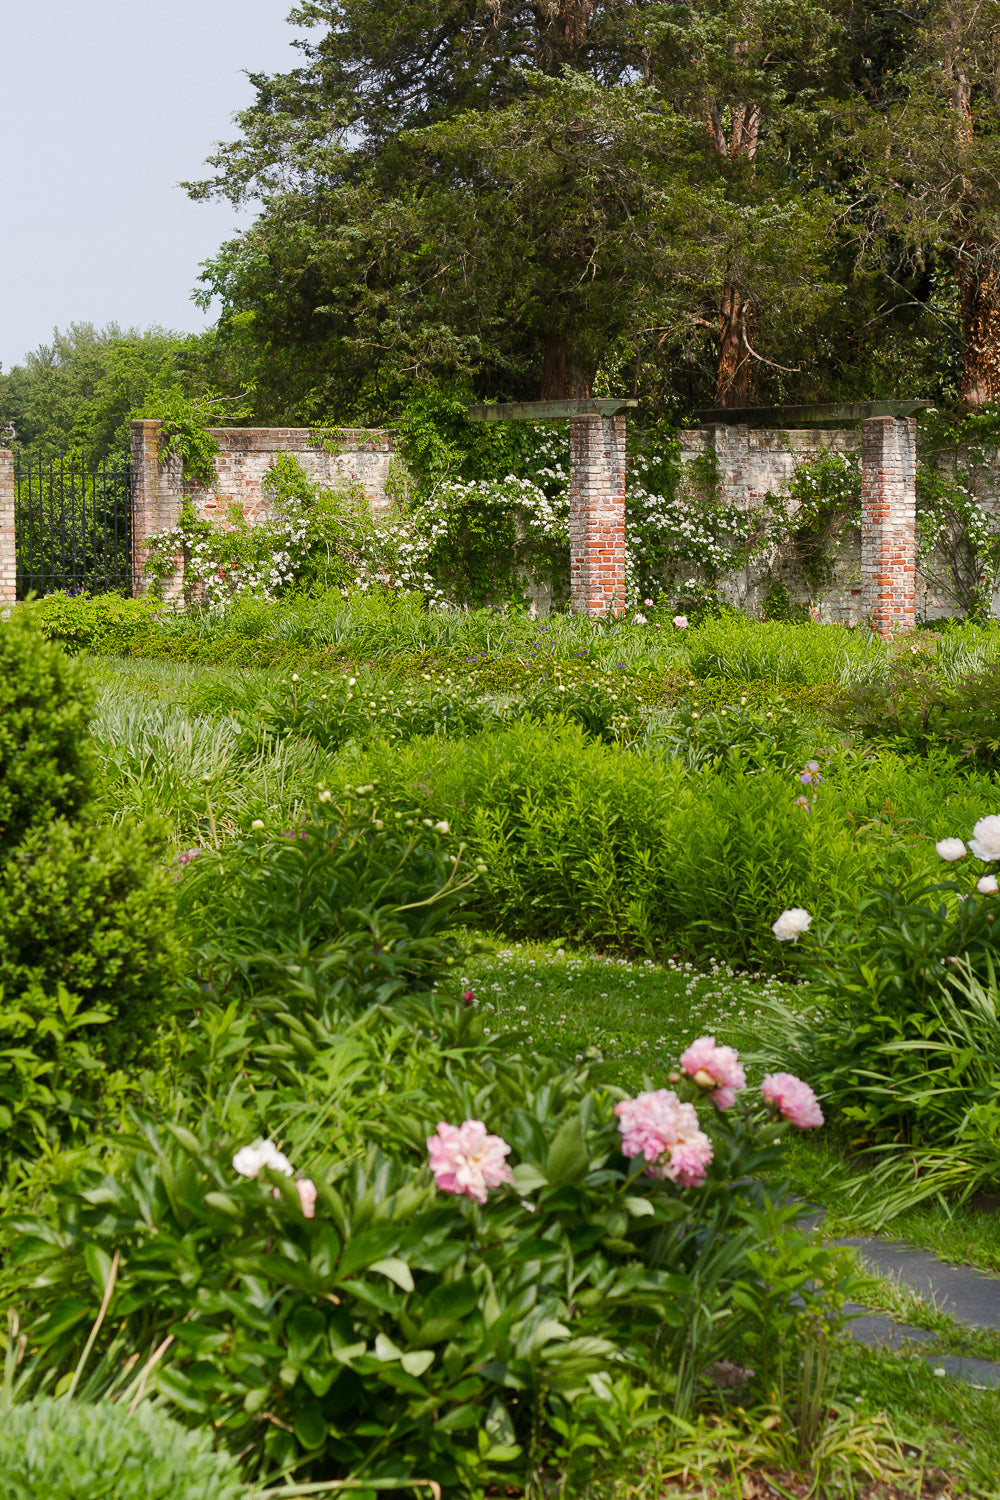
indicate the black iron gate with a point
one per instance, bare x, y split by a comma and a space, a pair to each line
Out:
73, 526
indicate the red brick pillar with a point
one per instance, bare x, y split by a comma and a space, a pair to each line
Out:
157, 491
597, 515
8, 551
888, 522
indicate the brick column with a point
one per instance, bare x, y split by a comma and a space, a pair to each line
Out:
8, 551
888, 522
156, 499
597, 514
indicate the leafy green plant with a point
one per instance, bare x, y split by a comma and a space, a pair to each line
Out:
57, 1449
374, 1325
364, 900
184, 432
917, 711
902, 1037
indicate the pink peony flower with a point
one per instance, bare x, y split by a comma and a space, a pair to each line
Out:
307, 1197
680, 622
468, 997
715, 1068
793, 1099
467, 1161
659, 1127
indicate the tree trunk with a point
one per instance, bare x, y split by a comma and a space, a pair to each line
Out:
734, 373
981, 338
733, 382
564, 374
978, 283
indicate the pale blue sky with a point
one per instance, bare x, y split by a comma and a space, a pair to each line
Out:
104, 106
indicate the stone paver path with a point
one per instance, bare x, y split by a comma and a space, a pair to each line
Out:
968, 1295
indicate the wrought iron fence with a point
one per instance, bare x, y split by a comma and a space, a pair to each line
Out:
73, 526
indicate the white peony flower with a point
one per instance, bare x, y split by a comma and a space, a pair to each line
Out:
951, 849
441, 827
249, 1160
985, 840
988, 885
791, 924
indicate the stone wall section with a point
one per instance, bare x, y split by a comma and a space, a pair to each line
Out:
8, 551
888, 523
597, 515
352, 455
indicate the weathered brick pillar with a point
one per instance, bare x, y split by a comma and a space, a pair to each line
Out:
8, 550
888, 522
156, 499
597, 515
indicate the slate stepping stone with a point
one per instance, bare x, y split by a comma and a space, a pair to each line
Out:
964, 1293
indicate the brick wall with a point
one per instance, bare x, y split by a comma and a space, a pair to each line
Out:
888, 522
597, 515
245, 455
8, 554
753, 462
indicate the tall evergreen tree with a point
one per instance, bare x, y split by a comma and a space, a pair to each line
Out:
519, 191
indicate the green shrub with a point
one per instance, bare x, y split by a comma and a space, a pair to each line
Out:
46, 765
87, 958
399, 1329
585, 842
104, 624
56, 1449
903, 1040
363, 901
87, 966
85, 908
916, 711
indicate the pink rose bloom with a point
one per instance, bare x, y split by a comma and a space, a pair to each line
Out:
467, 1161
716, 1068
666, 1132
307, 1197
793, 1099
